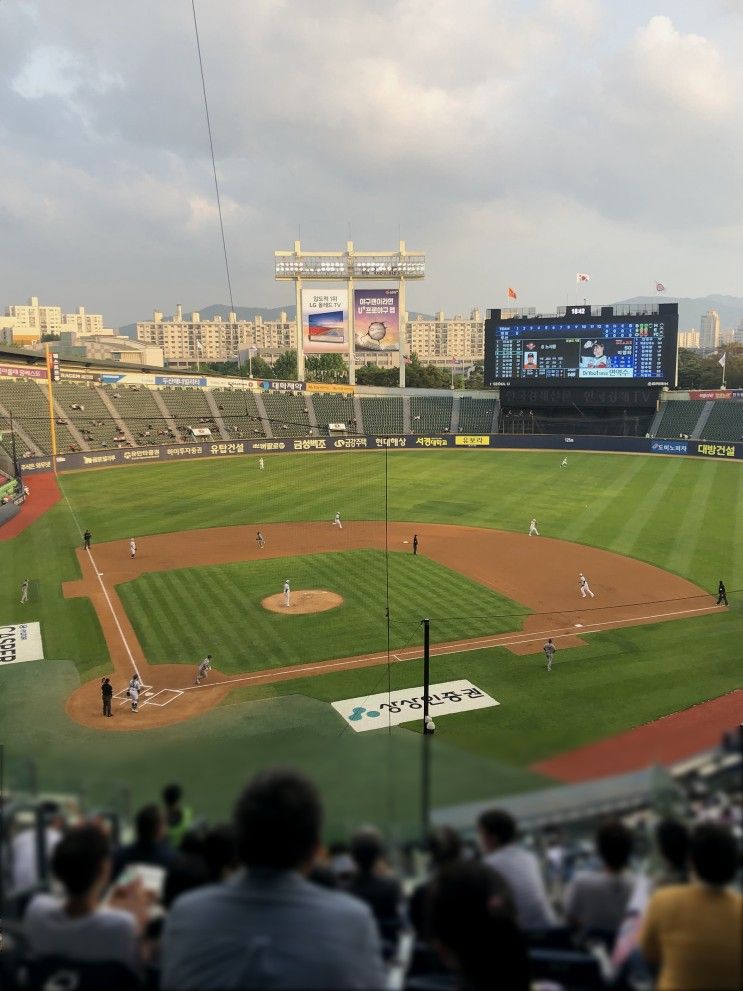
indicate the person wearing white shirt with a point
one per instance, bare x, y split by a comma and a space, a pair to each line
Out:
24, 869
76, 926
519, 867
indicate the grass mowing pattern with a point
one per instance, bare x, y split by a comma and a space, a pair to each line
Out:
231, 624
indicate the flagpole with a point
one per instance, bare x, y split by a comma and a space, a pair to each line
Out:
723, 362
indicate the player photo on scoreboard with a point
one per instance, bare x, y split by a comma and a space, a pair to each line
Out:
609, 358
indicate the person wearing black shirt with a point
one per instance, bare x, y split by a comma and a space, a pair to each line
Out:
107, 691
722, 596
87, 537
415, 543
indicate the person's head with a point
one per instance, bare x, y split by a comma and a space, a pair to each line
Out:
208, 657
614, 845
497, 828
149, 825
82, 860
172, 795
219, 851
598, 349
444, 846
713, 853
278, 819
367, 848
472, 920
672, 838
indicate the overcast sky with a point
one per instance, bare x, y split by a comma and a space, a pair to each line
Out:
515, 142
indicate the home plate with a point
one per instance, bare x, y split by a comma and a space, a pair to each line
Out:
578, 624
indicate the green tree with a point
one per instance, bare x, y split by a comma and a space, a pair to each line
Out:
374, 375
326, 368
285, 366
419, 376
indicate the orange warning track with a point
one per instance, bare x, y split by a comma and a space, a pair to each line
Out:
44, 494
538, 572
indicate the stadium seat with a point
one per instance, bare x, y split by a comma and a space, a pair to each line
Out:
382, 414
476, 415
725, 422
431, 414
679, 417
288, 415
28, 404
239, 412
333, 408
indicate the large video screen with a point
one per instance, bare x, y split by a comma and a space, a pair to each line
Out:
581, 348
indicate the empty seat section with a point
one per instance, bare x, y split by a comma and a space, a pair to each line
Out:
679, 417
288, 415
29, 405
239, 412
92, 418
382, 414
334, 408
430, 414
725, 421
189, 408
137, 408
476, 415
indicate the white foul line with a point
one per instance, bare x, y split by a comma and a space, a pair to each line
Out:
479, 644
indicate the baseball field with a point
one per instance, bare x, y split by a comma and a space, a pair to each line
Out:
653, 535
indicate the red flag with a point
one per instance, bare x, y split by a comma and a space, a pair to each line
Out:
659, 287
407, 361
512, 294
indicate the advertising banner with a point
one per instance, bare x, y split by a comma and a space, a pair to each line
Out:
181, 380
343, 388
716, 394
20, 643
325, 321
467, 440
376, 318
384, 710
669, 447
15, 371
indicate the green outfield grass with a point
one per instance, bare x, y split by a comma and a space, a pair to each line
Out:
243, 636
681, 514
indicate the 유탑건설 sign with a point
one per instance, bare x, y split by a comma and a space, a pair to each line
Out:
20, 643
384, 710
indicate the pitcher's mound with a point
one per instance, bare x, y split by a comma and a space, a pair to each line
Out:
305, 600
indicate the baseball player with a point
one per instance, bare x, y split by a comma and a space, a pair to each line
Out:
337, 521
533, 529
722, 595
261, 464
87, 537
287, 593
549, 652
203, 669
260, 539
132, 548
564, 463
415, 543
24, 591
135, 687
584, 586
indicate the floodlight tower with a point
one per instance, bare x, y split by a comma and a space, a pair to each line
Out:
347, 267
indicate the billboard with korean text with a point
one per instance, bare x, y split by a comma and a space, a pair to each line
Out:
376, 319
325, 321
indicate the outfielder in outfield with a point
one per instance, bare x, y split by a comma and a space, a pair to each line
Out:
585, 588
337, 521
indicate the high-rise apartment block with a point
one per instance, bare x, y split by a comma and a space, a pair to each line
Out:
31, 321
709, 332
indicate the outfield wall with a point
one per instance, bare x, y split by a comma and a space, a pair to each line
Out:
544, 442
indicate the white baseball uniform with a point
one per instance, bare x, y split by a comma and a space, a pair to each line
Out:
203, 670
337, 521
564, 463
132, 548
287, 593
24, 591
261, 465
134, 696
533, 528
584, 587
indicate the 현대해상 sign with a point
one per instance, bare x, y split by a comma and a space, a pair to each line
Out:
20, 643
406, 705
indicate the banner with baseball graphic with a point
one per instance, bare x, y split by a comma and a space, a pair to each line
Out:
376, 319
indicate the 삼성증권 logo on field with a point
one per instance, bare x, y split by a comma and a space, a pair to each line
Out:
21, 642
383, 710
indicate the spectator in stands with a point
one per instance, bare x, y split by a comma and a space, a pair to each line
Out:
77, 927
24, 866
597, 900
444, 847
693, 931
178, 817
374, 882
672, 839
519, 867
269, 926
150, 845
472, 919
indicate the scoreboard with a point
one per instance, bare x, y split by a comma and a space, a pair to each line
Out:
585, 345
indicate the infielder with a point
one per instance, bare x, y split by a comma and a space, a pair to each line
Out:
287, 593
260, 539
261, 464
564, 463
132, 548
203, 669
584, 586
549, 652
533, 529
337, 521
24, 590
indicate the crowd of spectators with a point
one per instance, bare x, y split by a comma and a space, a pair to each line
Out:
261, 902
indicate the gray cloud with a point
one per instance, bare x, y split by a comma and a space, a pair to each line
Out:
513, 142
